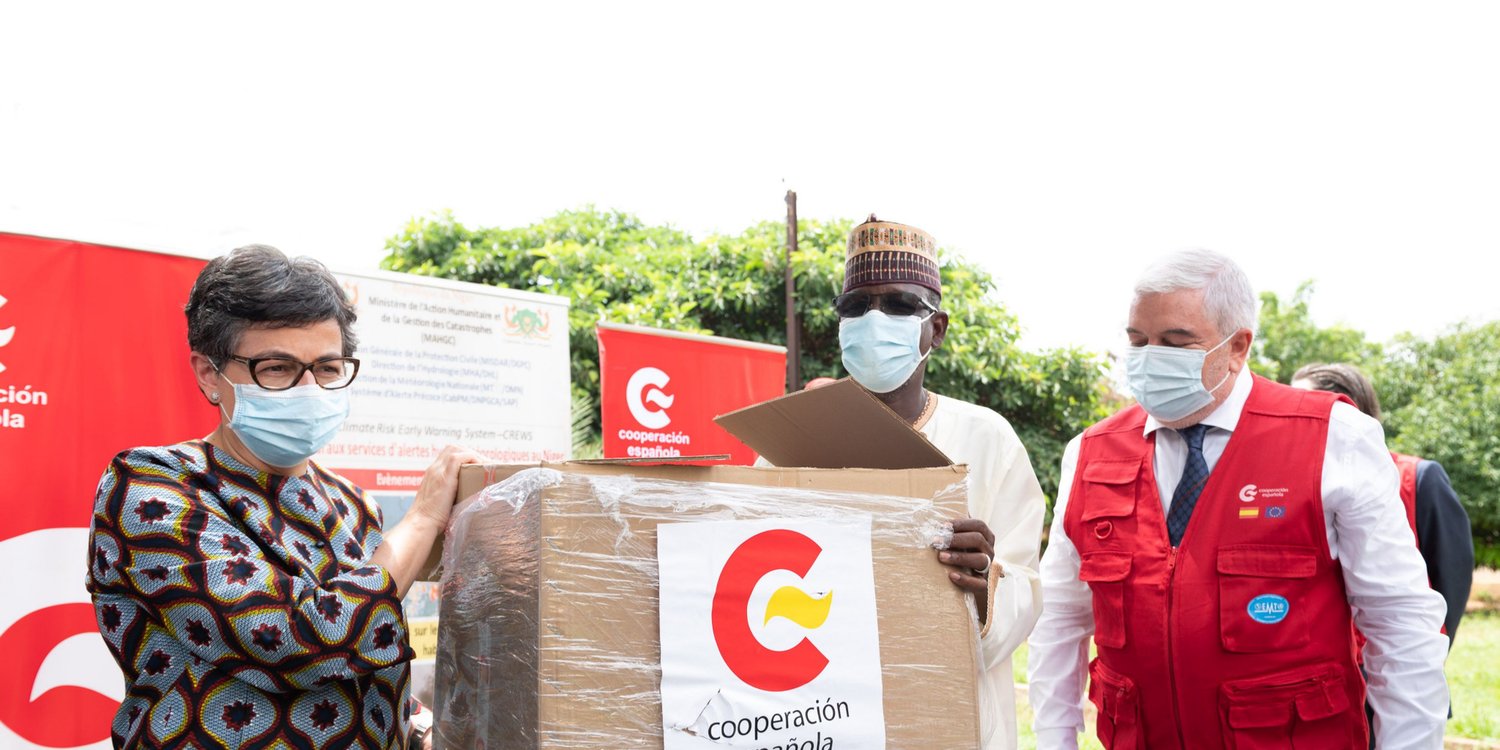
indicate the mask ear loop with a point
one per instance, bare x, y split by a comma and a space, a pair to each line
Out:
1226, 374
1221, 343
929, 349
1221, 383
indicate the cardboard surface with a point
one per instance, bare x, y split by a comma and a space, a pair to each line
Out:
566, 654
837, 426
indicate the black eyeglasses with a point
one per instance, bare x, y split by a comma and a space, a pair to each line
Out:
857, 303
281, 373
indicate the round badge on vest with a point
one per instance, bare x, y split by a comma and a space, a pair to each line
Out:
1268, 609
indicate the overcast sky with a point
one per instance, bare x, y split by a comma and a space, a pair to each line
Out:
1062, 145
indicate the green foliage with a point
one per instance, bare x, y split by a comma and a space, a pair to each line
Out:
1471, 678
1486, 555
586, 443
613, 267
1288, 338
610, 265
1440, 399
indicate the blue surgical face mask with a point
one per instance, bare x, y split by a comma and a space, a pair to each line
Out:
1168, 380
285, 428
880, 351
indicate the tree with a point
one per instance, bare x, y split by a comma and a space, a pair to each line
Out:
1441, 401
1288, 338
614, 267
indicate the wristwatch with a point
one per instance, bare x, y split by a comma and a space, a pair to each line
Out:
421, 726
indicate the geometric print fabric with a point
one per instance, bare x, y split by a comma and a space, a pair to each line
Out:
242, 607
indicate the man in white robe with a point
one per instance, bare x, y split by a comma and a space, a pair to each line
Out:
890, 321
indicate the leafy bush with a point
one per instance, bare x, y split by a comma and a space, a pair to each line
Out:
1439, 398
1289, 339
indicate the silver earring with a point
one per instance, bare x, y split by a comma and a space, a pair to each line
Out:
214, 397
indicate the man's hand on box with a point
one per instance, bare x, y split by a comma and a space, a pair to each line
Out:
968, 557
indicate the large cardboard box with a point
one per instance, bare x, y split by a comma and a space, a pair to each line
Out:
550, 620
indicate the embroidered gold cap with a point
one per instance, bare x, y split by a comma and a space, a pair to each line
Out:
885, 252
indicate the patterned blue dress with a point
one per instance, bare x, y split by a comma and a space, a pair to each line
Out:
242, 608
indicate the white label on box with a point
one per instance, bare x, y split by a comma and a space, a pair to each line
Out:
768, 635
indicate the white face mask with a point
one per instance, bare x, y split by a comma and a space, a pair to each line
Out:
882, 351
285, 428
1168, 380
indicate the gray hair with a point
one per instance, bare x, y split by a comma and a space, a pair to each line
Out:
1228, 299
258, 286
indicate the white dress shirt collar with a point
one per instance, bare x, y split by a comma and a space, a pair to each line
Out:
1227, 416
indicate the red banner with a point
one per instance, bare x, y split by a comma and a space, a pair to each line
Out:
660, 390
93, 359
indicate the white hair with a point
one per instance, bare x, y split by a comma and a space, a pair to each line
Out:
1228, 300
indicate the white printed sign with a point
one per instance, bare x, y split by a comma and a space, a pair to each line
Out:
768, 635
444, 362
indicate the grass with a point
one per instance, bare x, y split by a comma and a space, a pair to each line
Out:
1473, 683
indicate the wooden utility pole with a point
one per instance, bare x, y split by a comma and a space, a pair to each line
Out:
793, 340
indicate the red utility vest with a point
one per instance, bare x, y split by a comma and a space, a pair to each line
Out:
1408, 467
1241, 637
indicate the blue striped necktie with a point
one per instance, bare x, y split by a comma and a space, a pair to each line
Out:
1194, 476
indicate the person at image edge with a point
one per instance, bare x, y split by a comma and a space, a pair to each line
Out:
252, 598
1433, 510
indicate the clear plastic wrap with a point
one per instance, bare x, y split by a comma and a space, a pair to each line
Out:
549, 636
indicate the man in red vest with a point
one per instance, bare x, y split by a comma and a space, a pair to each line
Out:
1217, 539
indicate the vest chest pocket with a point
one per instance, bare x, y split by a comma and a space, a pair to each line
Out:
1105, 573
1300, 708
1109, 493
1119, 705
1263, 597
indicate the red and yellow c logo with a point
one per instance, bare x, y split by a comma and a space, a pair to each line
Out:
758, 666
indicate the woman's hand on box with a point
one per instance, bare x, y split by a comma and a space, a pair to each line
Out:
439, 489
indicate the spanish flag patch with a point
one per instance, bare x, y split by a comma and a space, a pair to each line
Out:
1249, 512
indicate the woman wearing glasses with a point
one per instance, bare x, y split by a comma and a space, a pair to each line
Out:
251, 597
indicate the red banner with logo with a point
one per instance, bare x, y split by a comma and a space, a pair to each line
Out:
660, 390
93, 359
